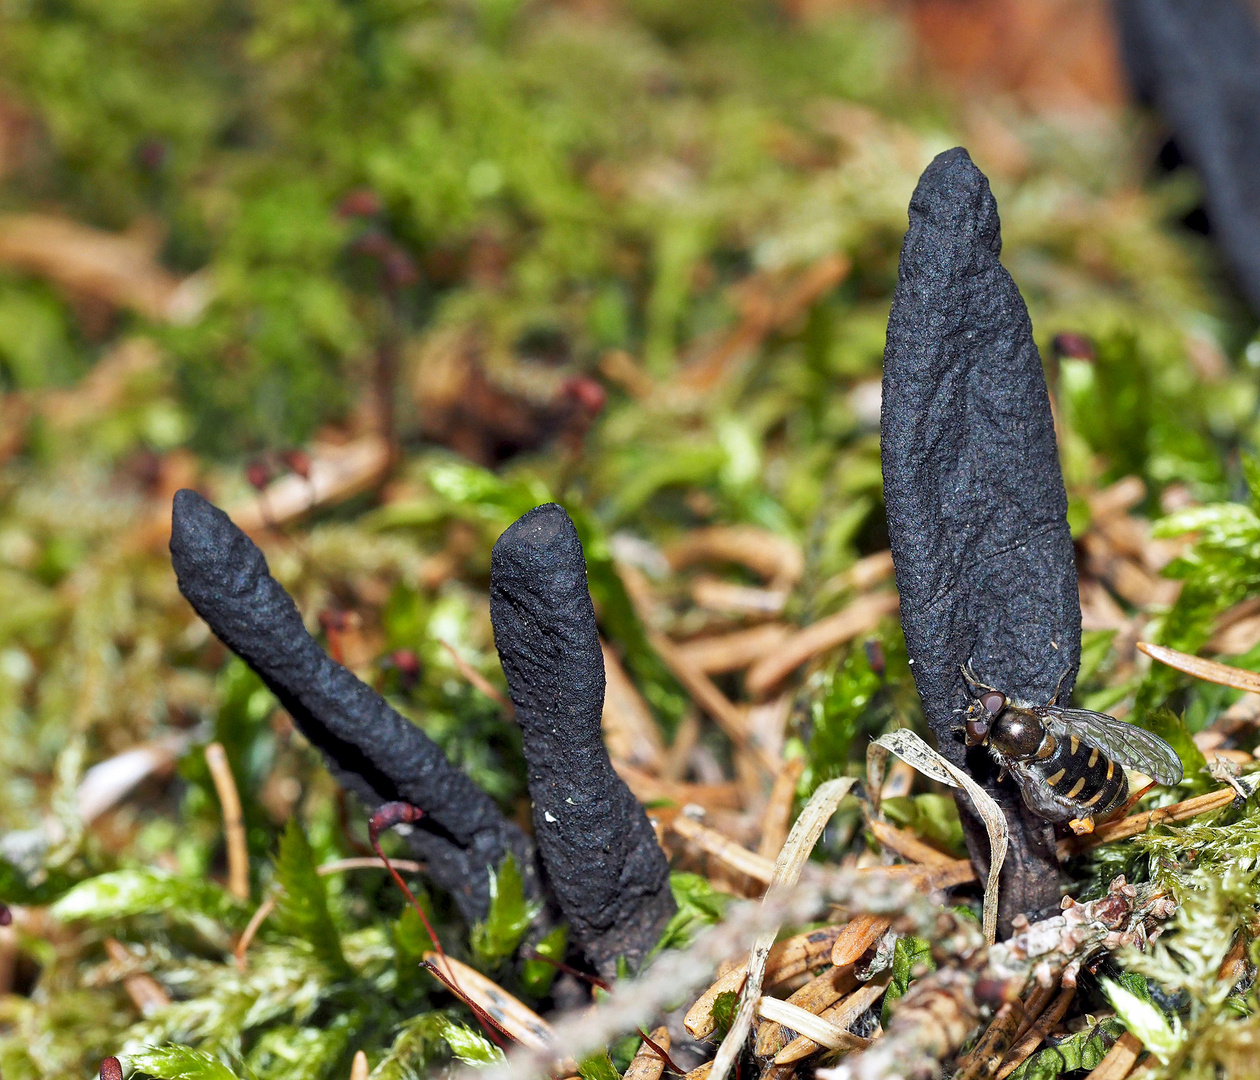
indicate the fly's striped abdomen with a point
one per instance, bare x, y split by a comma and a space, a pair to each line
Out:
1080, 772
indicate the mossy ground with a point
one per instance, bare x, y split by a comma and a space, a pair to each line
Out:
504, 196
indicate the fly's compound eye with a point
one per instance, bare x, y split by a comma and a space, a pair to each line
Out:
977, 732
994, 702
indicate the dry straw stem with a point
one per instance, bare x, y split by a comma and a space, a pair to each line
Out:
1037, 1033
787, 872
789, 958
821, 992
864, 574
821, 1031
987, 1056
1034, 1005
646, 1063
359, 1066
630, 732
714, 594
858, 935
649, 789
1139, 823
770, 556
121, 269
146, 993
728, 716
724, 849
1207, 670
336, 473
514, 1016
908, 845
735, 651
1120, 1059
860, 616
912, 749
269, 905
841, 1014
766, 304
477, 680
778, 812
675, 974
941, 1011
233, 820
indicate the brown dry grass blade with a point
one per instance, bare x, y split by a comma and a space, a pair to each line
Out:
787, 872
1207, 670
1139, 823
821, 1031
647, 1064
789, 958
912, 749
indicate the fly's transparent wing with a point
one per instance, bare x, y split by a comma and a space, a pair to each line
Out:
1129, 745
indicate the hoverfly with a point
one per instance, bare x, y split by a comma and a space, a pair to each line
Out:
1069, 763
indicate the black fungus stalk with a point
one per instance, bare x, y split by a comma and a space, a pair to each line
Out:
1199, 65
603, 863
977, 512
369, 747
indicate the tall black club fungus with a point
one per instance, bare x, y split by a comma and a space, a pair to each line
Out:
977, 512
1199, 65
603, 864
369, 747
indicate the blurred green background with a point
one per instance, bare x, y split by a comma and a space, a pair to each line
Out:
633, 255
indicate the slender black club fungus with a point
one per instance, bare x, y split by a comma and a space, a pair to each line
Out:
977, 512
602, 861
370, 748
1199, 65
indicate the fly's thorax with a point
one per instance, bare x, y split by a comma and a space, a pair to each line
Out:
1017, 734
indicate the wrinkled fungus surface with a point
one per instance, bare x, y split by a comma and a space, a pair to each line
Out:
975, 498
368, 746
603, 863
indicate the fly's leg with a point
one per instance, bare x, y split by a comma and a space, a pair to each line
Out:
1058, 689
969, 674
1132, 799
1082, 825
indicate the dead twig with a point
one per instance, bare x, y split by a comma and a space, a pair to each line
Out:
858, 935
630, 731
860, 616
478, 680
842, 1014
907, 844
1112, 831
986, 1058
770, 556
509, 1013
233, 820
821, 992
1119, 1060
788, 959
1036, 1035
735, 651
819, 1030
1207, 670
787, 872
146, 993
725, 850
647, 1063
942, 1010
779, 808
729, 717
